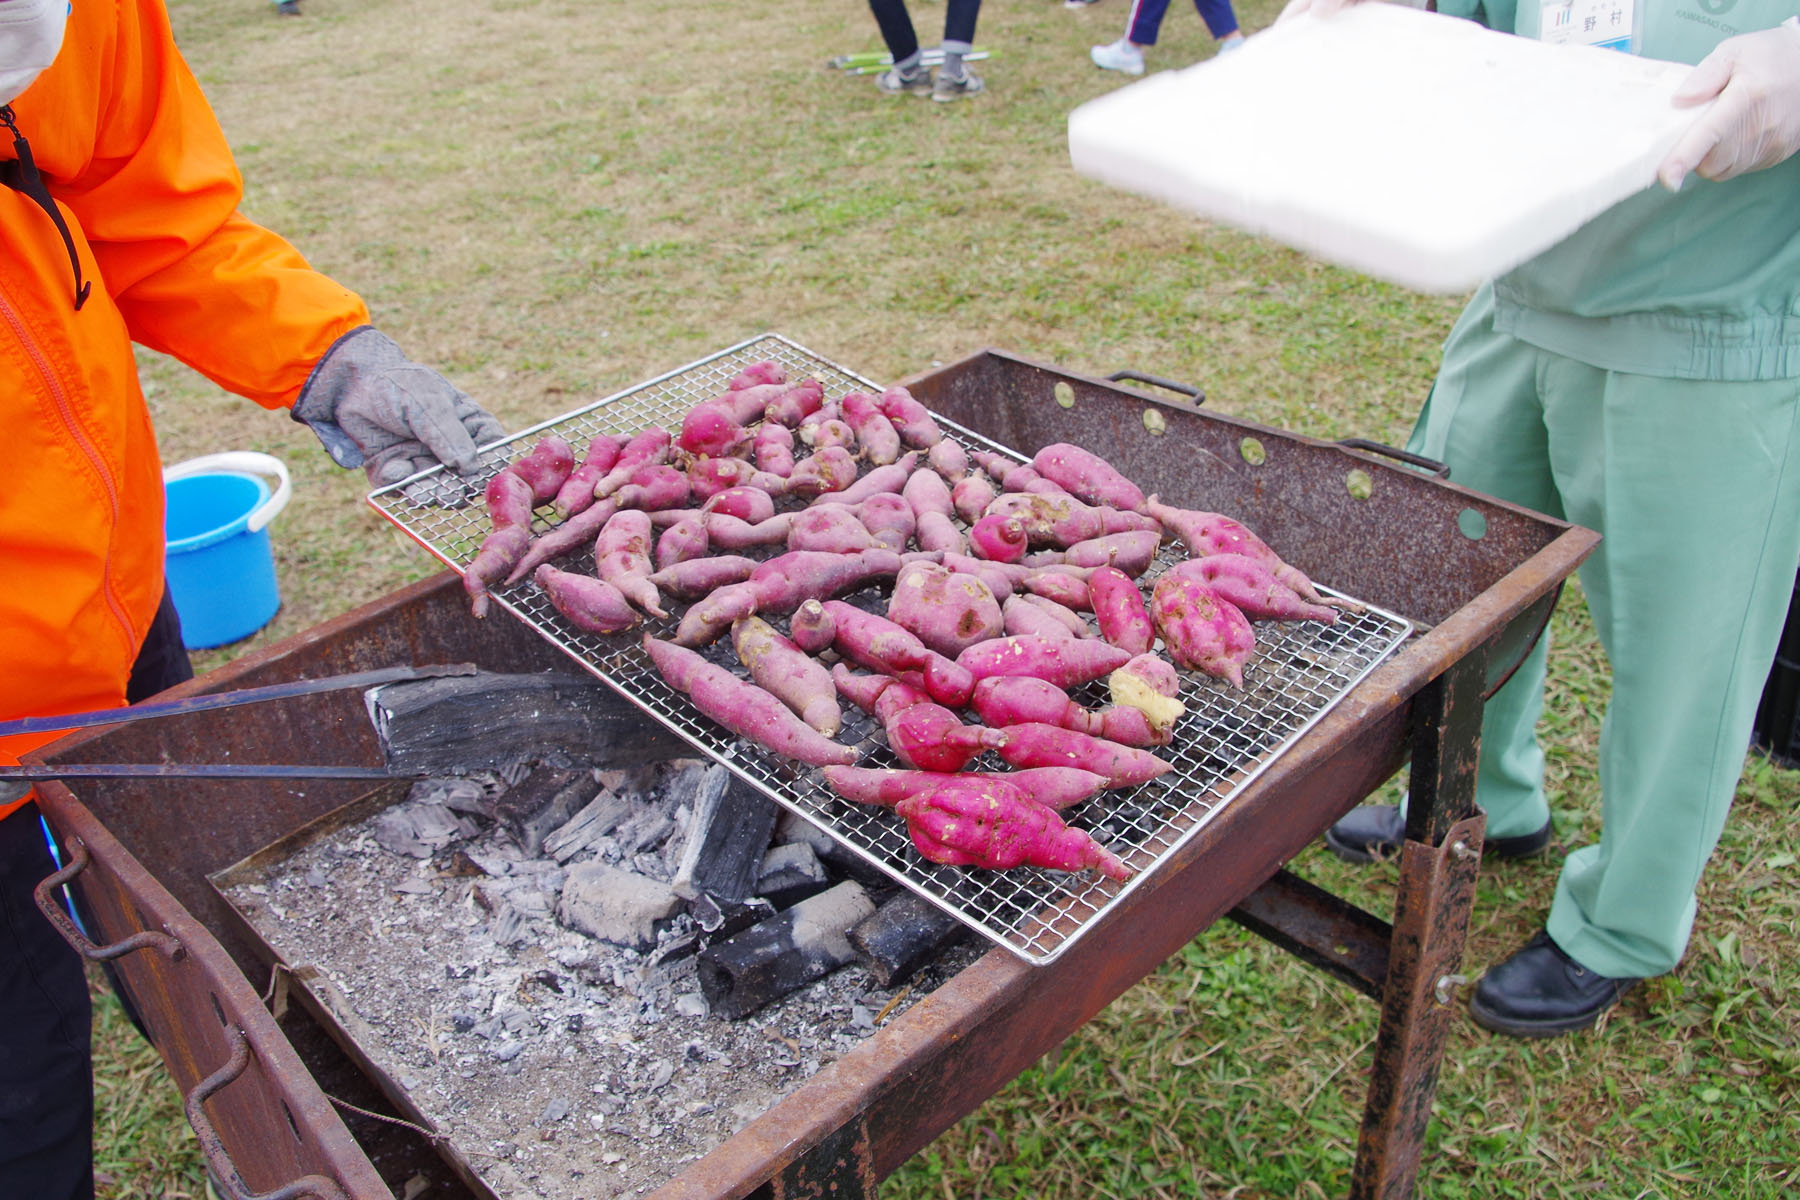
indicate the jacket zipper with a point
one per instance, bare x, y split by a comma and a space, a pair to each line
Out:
66, 411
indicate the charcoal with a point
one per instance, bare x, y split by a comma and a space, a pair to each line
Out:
789, 874
904, 934
720, 921
586, 827
726, 838
786, 952
421, 830
543, 802
617, 906
643, 830
455, 724
845, 862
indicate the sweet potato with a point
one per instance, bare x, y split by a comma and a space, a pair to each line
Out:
746, 405
1064, 585
989, 821
1119, 608
1065, 662
911, 420
889, 520
1150, 685
890, 477
1087, 476
701, 576
509, 500
873, 641
1068, 619
1253, 587
788, 580
971, 495
712, 614
494, 558
930, 737
1208, 533
798, 402
811, 627
947, 611
926, 492
744, 502
1006, 700
681, 542
743, 707
787, 673
652, 486
1019, 619
772, 447
733, 533
1010, 474
827, 432
646, 448
622, 558
765, 370
948, 459
1040, 744
1131, 552
590, 604
708, 431
830, 469
707, 477
876, 436
574, 533
1001, 539
1061, 520
577, 491
1002, 578
1201, 631
1055, 788
546, 467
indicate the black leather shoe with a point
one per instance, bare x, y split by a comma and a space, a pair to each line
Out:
1541, 992
1376, 831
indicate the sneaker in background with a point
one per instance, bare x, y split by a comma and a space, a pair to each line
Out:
1078, 3
894, 82
1118, 56
948, 88
288, 8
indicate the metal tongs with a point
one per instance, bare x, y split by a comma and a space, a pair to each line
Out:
152, 709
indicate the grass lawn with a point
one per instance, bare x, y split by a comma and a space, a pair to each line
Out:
551, 200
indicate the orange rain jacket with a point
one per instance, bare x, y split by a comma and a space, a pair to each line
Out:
145, 182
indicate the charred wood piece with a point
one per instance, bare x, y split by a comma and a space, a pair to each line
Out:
786, 952
790, 874
543, 802
621, 907
601, 816
730, 831
905, 933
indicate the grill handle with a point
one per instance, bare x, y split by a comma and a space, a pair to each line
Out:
1438, 469
218, 1160
45, 895
1186, 389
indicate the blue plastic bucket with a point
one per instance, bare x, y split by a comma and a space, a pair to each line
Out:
219, 564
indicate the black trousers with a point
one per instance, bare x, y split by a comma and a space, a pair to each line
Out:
897, 27
46, 1021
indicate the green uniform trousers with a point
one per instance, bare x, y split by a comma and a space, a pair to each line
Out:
1695, 489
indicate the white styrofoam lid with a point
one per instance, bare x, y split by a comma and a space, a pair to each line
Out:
1418, 148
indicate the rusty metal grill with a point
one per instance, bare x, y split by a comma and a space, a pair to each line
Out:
1227, 738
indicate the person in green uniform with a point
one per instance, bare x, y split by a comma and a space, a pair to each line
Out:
1641, 378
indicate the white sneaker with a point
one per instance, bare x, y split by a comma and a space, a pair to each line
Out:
1118, 56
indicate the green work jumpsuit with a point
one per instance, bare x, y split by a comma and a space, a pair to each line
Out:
1642, 378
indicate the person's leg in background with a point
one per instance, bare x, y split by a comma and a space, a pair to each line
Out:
1141, 26
954, 77
908, 74
1221, 22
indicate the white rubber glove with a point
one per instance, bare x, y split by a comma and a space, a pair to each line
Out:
374, 408
1755, 120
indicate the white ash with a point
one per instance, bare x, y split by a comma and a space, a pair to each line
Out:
557, 1065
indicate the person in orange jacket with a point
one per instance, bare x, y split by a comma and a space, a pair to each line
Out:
119, 223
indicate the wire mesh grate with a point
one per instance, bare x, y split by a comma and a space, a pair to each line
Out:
1227, 738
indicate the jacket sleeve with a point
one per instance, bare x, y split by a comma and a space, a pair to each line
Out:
158, 200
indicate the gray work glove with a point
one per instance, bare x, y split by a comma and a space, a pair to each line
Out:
374, 408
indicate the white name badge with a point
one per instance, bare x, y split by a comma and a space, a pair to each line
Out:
1605, 23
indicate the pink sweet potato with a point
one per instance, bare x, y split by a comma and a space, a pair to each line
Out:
988, 821
590, 604
787, 673
1131, 552
743, 707
873, 641
744, 502
681, 542
653, 486
707, 477
1120, 609
876, 436
622, 558
574, 533
1201, 631
971, 495
1065, 585
788, 580
1001, 539
646, 448
911, 420
948, 459
1006, 700
495, 557
811, 627
947, 611
546, 467
827, 433
1012, 475
1055, 788
798, 402
1151, 686
930, 737
577, 491
1087, 476
711, 615
1252, 586
1071, 621
927, 492
881, 696
733, 533
1061, 520
829, 527
830, 469
1064, 662
701, 576
889, 520
1040, 744
1207, 533
890, 477
1019, 619
509, 500
708, 431
1002, 578
746, 405
773, 449
765, 370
